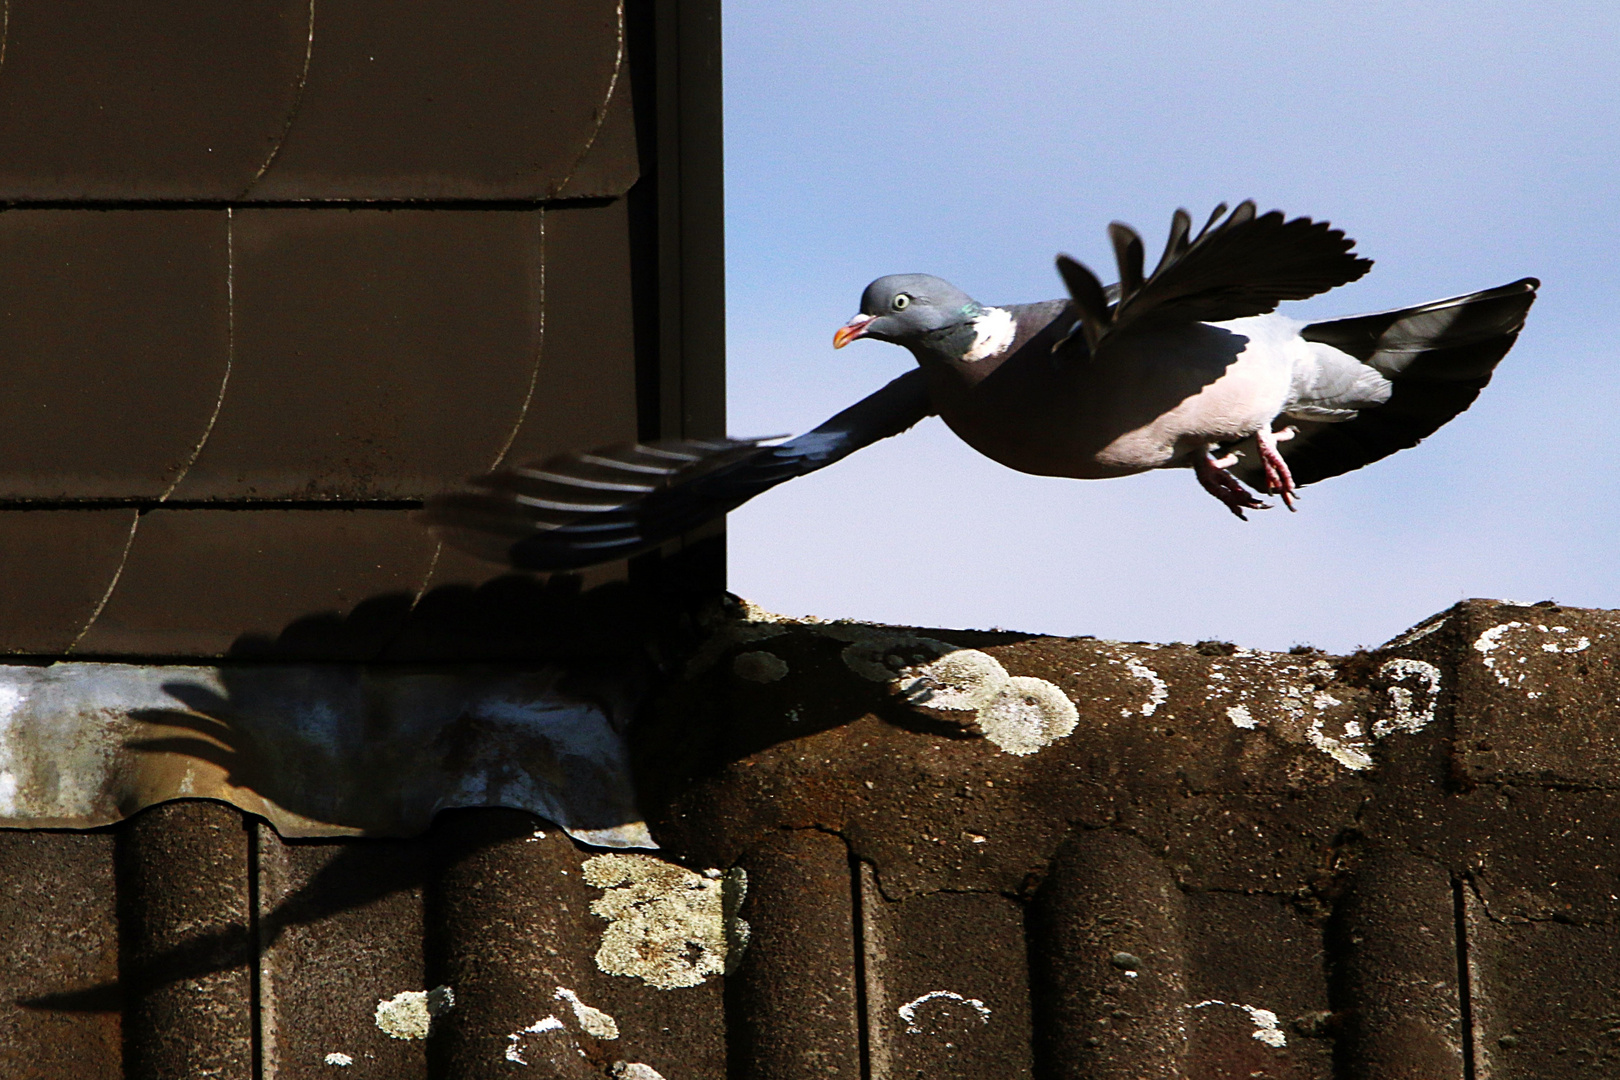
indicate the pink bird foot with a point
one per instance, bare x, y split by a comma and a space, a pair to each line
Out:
1279, 481
1223, 485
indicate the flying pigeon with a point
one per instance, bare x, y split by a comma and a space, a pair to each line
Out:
1186, 367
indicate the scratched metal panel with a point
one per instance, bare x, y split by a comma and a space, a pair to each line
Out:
72, 559
385, 355
189, 353
114, 336
307, 354
186, 99
586, 351
297, 101
286, 583
467, 611
480, 100
377, 354
336, 585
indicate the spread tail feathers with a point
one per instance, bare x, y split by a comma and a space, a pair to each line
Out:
576, 510
580, 509
1437, 356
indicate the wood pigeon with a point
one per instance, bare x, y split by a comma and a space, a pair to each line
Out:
1186, 367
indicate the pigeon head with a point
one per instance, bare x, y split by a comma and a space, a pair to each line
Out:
915, 310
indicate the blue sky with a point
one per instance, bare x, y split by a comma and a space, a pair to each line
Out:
1462, 145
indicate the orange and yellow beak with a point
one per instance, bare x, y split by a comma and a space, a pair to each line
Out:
851, 330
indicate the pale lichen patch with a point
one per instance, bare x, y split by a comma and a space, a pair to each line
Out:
942, 1002
1345, 750
635, 1070
1411, 705
759, 666
877, 655
666, 925
593, 1022
1417, 633
1488, 642
1298, 701
1303, 702
514, 1041
409, 1014
1267, 1028
966, 680
1019, 714
1510, 669
1029, 714
1158, 690
341, 1060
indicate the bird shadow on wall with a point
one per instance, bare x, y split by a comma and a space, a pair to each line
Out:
700, 716
509, 618
515, 692
265, 727
359, 873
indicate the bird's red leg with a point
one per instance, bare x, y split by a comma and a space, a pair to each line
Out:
1279, 481
1223, 485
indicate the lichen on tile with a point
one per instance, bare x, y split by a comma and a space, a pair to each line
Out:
593, 1022
1267, 1028
1411, 705
667, 925
944, 999
759, 666
635, 1070
409, 1014
1019, 714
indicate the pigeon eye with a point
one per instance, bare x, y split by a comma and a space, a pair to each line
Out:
901, 302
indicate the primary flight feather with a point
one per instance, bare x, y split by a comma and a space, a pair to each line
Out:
1187, 366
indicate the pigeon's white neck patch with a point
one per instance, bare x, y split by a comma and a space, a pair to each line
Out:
993, 331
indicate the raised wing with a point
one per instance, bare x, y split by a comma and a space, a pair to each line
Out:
580, 509
1244, 265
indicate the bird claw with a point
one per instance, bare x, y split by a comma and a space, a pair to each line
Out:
1279, 481
1212, 474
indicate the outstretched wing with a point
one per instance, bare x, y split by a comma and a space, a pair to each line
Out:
1244, 265
1438, 356
580, 509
